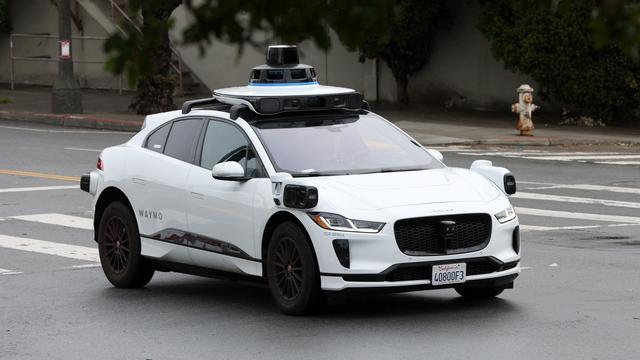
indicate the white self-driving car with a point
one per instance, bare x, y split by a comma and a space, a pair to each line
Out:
298, 185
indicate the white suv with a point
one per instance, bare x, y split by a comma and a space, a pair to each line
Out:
303, 188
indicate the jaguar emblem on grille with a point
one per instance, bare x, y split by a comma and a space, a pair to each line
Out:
448, 227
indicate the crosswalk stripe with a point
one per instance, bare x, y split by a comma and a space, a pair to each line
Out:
581, 157
58, 219
619, 162
616, 189
542, 153
550, 228
575, 200
38, 188
577, 215
9, 272
50, 248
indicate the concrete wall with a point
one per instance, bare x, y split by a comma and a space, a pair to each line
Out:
40, 16
461, 71
222, 66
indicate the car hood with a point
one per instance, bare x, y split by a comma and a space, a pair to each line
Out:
393, 189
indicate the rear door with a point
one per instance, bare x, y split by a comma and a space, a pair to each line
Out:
159, 180
220, 212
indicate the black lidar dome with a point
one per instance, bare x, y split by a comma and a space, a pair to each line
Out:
282, 55
282, 67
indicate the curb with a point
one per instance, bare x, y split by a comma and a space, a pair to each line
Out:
555, 142
81, 121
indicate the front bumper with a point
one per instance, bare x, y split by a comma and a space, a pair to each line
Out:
376, 261
381, 282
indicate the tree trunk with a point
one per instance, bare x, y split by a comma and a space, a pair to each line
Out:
155, 90
402, 95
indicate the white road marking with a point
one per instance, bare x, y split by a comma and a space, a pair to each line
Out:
82, 149
39, 188
575, 200
50, 248
85, 266
578, 216
619, 162
535, 183
9, 272
539, 153
616, 158
58, 219
616, 189
556, 228
553, 265
581, 157
66, 131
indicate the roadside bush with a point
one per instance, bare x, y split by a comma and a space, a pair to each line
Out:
5, 24
551, 42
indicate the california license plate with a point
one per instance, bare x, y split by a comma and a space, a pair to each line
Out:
445, 274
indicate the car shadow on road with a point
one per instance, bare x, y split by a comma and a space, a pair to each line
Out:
207, 295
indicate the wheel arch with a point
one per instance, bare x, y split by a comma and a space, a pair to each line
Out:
107, 196
273, 222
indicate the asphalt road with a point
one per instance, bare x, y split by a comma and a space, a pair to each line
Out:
578, 296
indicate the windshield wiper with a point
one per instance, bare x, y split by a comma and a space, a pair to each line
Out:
387, 170
309, 174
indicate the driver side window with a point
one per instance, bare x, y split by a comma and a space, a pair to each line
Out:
224, 142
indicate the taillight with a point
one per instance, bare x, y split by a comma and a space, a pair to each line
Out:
100, 164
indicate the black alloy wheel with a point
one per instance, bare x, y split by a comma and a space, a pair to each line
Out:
292, 271
116, 244
119, 248
288, 269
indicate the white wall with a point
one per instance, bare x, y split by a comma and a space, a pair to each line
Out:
40, 16
221, 66
461, 66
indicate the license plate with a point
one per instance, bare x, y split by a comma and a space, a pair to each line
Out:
448, 274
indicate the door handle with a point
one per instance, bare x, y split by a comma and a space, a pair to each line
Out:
198, 196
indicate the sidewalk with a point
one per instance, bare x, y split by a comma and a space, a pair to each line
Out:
429, 125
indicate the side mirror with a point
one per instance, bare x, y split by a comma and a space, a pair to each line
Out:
436, 154
228, 170
498, 175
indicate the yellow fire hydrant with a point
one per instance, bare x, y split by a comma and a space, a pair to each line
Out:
524, 107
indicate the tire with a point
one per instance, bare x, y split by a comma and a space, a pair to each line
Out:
119, 248
479, 292
292, 271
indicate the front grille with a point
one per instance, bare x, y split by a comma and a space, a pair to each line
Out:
423, 271
437, 235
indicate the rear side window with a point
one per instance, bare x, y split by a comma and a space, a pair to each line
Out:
183, 139
157, 140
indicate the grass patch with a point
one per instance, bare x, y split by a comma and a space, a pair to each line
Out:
4, 100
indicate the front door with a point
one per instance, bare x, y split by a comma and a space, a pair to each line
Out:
220, 212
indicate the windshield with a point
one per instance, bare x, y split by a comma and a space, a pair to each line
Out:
339, 145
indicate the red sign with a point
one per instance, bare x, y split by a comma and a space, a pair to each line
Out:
65, 49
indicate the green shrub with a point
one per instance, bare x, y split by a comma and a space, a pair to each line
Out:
5, 24
551, 42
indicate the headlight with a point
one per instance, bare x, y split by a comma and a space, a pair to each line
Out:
341, 223
505, 215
